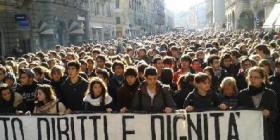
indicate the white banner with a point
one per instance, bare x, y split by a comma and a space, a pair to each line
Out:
236, 125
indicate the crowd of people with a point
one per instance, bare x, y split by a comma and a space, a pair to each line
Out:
155, 74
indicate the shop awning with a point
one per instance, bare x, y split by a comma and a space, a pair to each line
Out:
78, 31
273, 17
44, 29
47, 32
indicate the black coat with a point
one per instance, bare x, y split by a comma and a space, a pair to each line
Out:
72, 94
181, 95
268, 101
28, 94
202, 103
114, 85
275, 85
144, 103
16, 103
126, 94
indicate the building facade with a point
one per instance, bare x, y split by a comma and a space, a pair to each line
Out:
29, 25
247, 14
209, 13
169, 21
139, 17
101, 20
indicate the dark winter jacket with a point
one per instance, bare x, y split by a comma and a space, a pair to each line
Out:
181, 95
202, 103
268, 101
16, 103
143, 102
114, 85
28, 94
72, 94
125, 95
275, 85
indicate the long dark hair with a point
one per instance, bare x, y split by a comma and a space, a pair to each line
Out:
166, 76
104, 92
48, 91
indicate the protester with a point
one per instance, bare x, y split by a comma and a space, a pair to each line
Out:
73, 88
97, 98
202, 98
46, 101
116, 81
152, 96
27, 87
258, 96
185, 85
229, 92
128, 89
10, 101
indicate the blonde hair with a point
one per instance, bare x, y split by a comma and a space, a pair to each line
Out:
228, 81
261, 72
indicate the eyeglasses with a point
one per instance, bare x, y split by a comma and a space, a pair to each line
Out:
255, 77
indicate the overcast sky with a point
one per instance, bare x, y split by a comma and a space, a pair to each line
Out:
180, 5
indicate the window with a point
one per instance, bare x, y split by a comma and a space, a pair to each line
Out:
118, 20
97, 9
117, 4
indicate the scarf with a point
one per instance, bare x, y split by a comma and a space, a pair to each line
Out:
253, 91
46, 107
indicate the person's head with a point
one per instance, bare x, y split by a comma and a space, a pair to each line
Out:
185, 81
130, 75
214, 61
228, 86
210, 71
90, 64
158, 63
264, 63
6, 92
39, 73
226, 60
52, 62
235, 55
23, 64
73, 69
256, 76
246, 63
142, 52
202, 81
118, 68
45, 93
97, 87
100, 61
186, 61
168, 62
57, 72
277, 67
151, 75
83, 65
103, 74
141, 68
26, 76
196, 65
95, 52
10, 79
166, 76
2, 72
200, 55
262, 50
